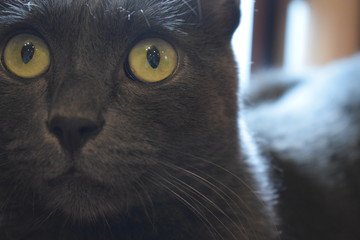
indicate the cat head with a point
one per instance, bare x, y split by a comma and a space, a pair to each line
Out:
100, 99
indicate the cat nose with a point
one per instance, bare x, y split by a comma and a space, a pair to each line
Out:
73, 133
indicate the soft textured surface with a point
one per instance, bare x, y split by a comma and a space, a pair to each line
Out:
312, 135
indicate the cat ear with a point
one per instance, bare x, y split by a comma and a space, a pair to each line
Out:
220, 16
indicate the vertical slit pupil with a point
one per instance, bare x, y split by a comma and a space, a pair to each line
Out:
27, 52
153, 57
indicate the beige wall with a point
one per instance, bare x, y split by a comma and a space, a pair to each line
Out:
335, 29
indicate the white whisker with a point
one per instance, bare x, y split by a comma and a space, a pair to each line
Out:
191, 207
147, 20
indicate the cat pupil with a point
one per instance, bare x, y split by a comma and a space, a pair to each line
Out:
153, 57
27, 52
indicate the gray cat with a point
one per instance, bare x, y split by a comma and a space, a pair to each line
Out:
119, 121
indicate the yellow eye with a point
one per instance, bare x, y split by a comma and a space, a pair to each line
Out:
26, 56
152, 60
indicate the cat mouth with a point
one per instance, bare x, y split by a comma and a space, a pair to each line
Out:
74, 176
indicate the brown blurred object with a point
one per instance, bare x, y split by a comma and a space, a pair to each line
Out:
268, 31
334, 31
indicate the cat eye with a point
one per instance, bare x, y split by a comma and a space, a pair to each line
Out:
152, 60
26, 56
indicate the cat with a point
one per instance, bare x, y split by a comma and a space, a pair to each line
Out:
119, 120
308, 125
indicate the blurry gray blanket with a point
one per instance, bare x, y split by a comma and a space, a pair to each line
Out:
309, 128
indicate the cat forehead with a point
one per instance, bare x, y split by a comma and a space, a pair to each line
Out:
172, 15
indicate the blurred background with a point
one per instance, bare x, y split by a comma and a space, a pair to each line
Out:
295, 34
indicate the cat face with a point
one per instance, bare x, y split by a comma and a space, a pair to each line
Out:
82, 127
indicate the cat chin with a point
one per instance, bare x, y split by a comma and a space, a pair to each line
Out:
84, 200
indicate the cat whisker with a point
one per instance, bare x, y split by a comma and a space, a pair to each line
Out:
146, 19
232, 192
244, 205
16, 183
200, 10
219, 192
29, 5
42, 219
107, 224
208, 200
229, 197
150, 215
195, 199
190, 7
173, 148
192, 208
149, 199
240, 205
